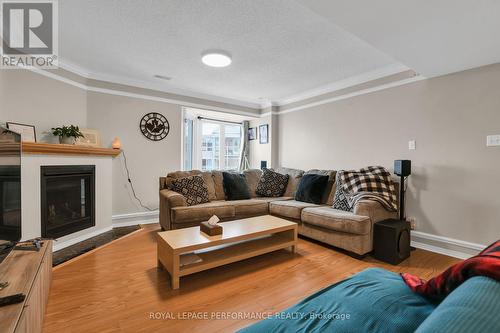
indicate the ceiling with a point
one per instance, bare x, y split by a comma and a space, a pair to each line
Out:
280, 48
431, 37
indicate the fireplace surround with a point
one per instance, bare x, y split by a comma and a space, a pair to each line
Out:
67, 199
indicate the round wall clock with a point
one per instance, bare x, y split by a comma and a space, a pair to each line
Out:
154, 126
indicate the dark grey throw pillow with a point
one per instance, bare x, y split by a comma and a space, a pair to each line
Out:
271, 184
235, 186
311, 188
193, 188
339, 200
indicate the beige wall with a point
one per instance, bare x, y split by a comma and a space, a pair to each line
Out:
119, 116
31, 98
45, 102
260, 152
453, 190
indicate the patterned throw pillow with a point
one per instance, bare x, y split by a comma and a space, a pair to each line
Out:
193, 188
271, 184
340, 200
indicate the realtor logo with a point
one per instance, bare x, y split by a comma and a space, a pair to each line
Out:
29, 34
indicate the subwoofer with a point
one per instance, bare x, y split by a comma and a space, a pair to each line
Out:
391, 241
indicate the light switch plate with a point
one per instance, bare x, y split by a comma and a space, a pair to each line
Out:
493, 140
412, 145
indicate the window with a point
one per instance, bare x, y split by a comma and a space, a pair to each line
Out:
232, 147
220, 145
211, 144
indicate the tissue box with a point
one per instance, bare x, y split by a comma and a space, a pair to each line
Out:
210, 230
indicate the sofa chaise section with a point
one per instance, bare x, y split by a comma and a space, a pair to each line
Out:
351, 231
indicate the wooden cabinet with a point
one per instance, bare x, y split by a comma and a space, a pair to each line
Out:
29, 273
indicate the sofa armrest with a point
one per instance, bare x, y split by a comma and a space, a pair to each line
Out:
374, 210
168, 200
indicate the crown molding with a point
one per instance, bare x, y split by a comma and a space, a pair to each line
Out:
176, 91
276, 107
90, 88
221, 109
339, 85
345, 83
73, 68
114, 79
353, 94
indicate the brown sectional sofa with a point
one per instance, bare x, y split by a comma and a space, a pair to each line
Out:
352, 231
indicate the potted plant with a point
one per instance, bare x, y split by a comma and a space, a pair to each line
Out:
67, 134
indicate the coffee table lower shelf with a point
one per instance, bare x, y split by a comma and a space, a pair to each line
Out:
223, 254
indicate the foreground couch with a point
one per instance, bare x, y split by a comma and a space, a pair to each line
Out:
351, 231
377, 300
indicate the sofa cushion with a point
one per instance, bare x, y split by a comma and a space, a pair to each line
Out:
289, 208
207, 177
223, 209
293, 181
272, 184
329, 192
202, 212
252, 176
235, 186
311, 188
193, 188
251, 207
273, 199
335, 219
218, 184
340, 200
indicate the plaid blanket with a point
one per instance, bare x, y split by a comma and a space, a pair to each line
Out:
370, 183
486, 263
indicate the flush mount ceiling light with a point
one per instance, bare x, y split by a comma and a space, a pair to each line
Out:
216, 58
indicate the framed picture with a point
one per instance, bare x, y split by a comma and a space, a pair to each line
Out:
263, 133
28, 133
252, 133
91, 138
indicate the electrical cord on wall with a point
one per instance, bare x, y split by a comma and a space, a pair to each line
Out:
132, 185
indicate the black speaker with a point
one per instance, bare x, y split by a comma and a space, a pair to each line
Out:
402, 168
263, 165
391, 241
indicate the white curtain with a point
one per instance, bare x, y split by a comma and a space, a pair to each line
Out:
245, 151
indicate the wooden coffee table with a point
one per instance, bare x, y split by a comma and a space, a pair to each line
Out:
241, 239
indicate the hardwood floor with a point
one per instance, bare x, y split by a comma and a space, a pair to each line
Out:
118, 287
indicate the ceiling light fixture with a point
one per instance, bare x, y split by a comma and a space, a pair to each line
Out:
216, 58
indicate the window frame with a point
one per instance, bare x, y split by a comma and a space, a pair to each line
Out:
222, 140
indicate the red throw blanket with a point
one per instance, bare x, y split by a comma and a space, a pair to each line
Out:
486, 263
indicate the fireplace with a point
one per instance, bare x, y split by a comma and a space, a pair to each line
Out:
67, 198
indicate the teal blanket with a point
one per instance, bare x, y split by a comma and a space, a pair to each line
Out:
472, 307
373, 300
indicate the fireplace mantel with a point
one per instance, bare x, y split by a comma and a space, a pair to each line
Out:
60, 149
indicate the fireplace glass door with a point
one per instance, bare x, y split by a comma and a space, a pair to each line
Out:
68, 203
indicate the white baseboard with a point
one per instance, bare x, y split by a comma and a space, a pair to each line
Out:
443, 245
58, 245
448, 246
124, 220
